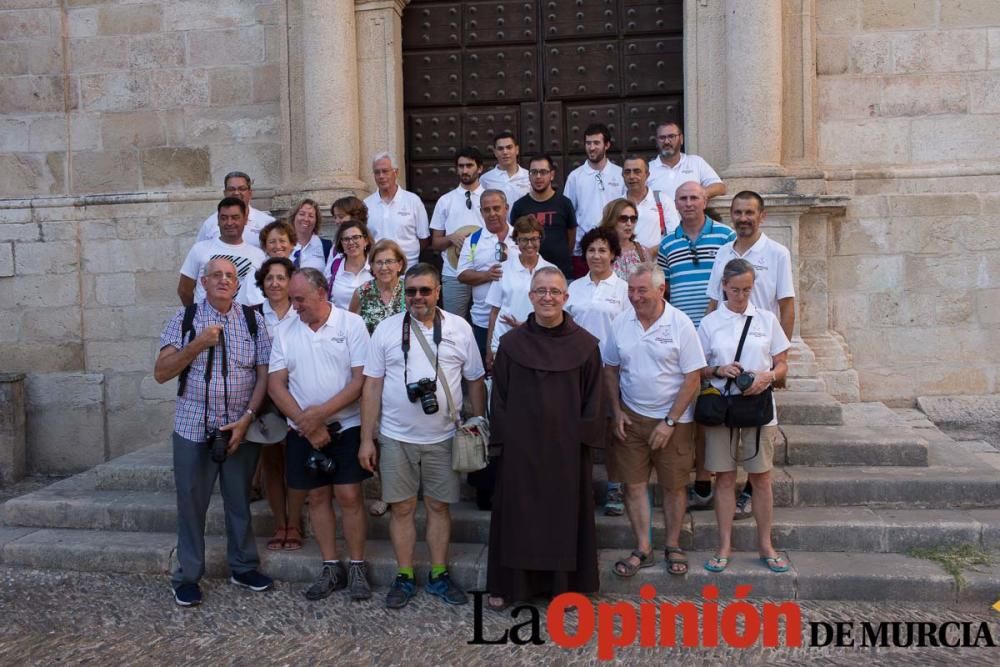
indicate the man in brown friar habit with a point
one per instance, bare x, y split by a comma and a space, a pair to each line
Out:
547, 414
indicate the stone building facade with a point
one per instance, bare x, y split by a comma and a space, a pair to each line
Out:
872, 125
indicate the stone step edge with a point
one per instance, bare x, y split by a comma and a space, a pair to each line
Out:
812, 576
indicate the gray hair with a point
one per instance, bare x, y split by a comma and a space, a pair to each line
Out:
737, 267
548, 271
494, 191
204, 269
386, 155
656, 276
236, 174
314, 277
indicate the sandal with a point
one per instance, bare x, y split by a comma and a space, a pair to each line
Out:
775, 563
378, 508
626, 568
293, 539
716, 564
277, 543
492, 605
678, 565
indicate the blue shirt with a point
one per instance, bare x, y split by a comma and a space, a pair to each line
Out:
687, 265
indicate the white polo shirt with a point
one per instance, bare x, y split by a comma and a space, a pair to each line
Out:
773, 266
458, 358
514, 187
647, 229
402, 219
246, 257
654, 361
594, 306
719, 334
319, 362
451, 213
271, 319
589, 190
510, 294
346, 282
311, 255
256, 221
483, 259
667, 179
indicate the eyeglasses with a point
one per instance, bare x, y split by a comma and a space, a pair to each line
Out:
500, 252
628, 218
528, 240
352, 239
539, 172
241, 189
468, 199
667, 137
600, 181
422, 291
382, 263
541, 292
745, 291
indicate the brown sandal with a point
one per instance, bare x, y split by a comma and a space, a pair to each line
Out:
625, 568
677, 566
277, 543
293, 539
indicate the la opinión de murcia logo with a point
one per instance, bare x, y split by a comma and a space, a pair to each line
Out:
736, 624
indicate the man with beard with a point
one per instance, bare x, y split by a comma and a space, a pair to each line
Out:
592, 185
551, 209
456, 215
545, 460
673, 167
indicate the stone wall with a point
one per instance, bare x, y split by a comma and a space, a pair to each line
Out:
909, 129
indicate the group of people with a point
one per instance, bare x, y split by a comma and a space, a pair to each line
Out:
599, 314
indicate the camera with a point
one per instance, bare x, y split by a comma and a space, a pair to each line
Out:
217, 442
744, 380
425, 390
320, 461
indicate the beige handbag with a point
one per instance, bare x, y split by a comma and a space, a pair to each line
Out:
470, 444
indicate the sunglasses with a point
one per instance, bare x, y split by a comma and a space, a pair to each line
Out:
422, 291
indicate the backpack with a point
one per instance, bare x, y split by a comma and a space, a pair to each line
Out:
187, 331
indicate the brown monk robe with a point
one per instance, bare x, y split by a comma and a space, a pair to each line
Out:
547, 414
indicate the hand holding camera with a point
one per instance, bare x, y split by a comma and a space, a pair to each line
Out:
320, 461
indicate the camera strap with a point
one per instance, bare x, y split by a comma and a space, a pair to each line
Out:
453, 414
209, 363
729, 382
433, 358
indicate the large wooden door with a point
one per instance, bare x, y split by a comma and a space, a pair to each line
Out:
543, 69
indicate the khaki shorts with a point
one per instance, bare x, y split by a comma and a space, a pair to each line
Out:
719, 451
404, 466
631, 460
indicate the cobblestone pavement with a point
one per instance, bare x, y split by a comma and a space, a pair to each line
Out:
75, 618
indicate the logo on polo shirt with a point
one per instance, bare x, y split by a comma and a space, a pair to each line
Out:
760, 267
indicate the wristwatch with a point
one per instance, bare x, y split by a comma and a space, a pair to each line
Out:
669, 421
251, 412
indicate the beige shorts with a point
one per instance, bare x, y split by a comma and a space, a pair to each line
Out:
719, 452
631, 460
404, 466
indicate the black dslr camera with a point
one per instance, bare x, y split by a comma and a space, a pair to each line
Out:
425, 390
744, 380
218, 442
320, 461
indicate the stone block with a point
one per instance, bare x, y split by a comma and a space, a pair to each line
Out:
93, 551
969, 13
150, 389
850, 311
808, 408
988, 306
45, 57
132, 129
13, 59
104, 324
82, 22
866, 273
230, 86
881, 141
870, 54
52, 325
198, 15
260, 122
933, 205
850, 97
984, 90
25, 24
129, 19
939, 51
13, 428
928, 529
925, 95
115, 289
162, 50
98, 54
963, 138
38, 291
144, 422
994, 43
174, 167
148, 321
263, 160
832, 56
65, 421
150, 89
6, 260
97, 229
852, 576
13, 133
10, 327
211, 47
42, 357
898, 14
267, 84
32, 94
105, 171
837, 16
159, 287
127, 256
121, 356
10, 216
52, 257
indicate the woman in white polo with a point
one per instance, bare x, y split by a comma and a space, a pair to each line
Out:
764, 354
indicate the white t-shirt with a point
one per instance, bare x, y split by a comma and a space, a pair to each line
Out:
589, 190
647, 230
514, 187
483, 259
246, 257
319, 362
403, 220
451, 213
256, 221
772, 264
459, 357
310, 256
510, 294
345, 282
654, 361
594, 306
689, 168
719, 333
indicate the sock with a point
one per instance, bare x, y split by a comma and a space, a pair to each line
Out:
748, 489
703, 487
335, 561
354, 562
438, 570
406, 572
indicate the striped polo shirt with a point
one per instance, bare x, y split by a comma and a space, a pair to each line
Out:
687, 265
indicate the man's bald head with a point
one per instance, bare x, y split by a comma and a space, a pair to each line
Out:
549, 272
221, 281
217, 264
691, 201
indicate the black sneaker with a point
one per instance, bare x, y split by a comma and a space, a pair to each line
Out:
187, 595
333, 578
402, 589
253, 580
443, 587
357, 581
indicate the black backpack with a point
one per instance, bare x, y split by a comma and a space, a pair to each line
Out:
187, 331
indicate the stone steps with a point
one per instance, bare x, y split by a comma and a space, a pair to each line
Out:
813, 576
807, 407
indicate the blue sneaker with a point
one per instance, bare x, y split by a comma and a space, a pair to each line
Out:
187, 595
402, 589
445, 588
253, 580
